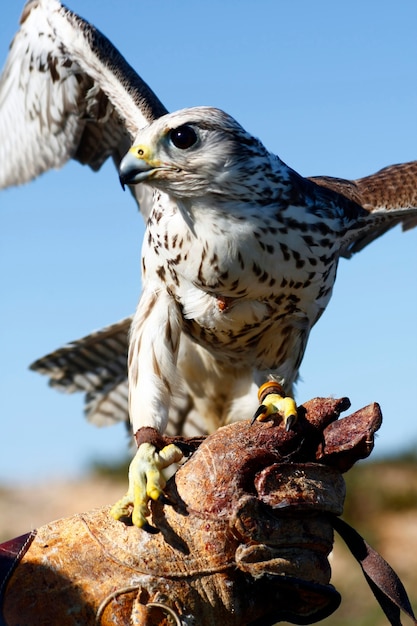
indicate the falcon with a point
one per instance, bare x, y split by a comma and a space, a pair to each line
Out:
240, 252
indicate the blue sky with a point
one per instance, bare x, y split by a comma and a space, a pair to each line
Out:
330, 87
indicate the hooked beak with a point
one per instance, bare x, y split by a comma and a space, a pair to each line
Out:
134, 167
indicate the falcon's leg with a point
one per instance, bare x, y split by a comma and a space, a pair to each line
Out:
274, 402
272, 394
146, 481
153, 350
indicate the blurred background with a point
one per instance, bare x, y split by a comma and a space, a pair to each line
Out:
329, 87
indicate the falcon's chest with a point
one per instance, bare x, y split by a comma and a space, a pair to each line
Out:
237, 270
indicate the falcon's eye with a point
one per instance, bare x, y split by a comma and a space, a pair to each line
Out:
183, 137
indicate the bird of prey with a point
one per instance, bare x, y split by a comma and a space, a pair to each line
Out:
240, 252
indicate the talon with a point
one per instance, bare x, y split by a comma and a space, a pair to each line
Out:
273, 402
289, 422
146, 482
260, 413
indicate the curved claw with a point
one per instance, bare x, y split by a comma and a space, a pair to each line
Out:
146, 482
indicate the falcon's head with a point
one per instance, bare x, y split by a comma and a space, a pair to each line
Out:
198, 151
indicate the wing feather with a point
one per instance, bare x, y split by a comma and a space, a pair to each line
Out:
389, 196
96, 365
67, 93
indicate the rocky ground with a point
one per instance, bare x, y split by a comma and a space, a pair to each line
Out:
381, 505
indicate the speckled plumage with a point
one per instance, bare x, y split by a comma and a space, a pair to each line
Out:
239, 261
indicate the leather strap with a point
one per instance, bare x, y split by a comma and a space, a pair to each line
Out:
187, 445
383, 581
10, 554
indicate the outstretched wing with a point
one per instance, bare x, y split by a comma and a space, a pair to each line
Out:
67, 93
389, 196
96, 365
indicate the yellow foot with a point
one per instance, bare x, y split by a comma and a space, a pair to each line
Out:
146, 481
273, 402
